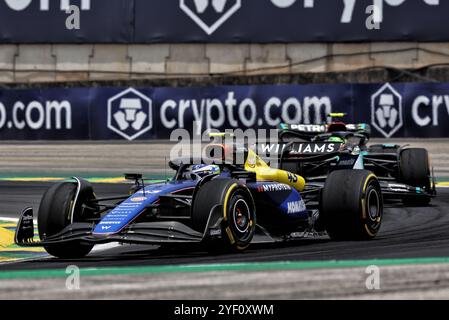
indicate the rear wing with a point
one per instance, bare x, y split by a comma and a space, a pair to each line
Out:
308, 131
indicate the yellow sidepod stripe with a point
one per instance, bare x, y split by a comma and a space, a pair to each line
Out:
265, 173
291, 179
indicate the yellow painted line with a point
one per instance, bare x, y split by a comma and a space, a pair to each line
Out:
19, 249
8, 225
6, 238
107, 180
442, 184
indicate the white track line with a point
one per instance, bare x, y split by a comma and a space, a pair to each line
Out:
10, 220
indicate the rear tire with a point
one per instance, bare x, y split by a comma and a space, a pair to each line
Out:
54, 216
239, 213
415, 171
352, 205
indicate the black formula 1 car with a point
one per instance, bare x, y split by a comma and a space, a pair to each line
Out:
223, 206
315, 151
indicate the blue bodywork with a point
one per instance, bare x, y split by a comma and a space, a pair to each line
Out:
287, 201
130, 209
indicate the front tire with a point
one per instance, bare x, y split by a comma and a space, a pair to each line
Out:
352, 205
238, 209
54, 215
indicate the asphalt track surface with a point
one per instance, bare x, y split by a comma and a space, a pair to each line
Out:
407, 232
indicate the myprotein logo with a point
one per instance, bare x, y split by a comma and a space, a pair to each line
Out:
130, 114
209, 15
387, 111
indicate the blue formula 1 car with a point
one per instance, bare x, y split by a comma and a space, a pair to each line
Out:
223, 206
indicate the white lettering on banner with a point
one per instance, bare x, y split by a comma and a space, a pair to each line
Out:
35, 123
283, 3
37, 115
230, 103
19, 5
248, 104
426, 111
421, 100
317, 104
215, 113
348, 11
292, 102
18, 106
2, 115
197, 116
211, 105
57, 108
169, 124
349, 7
272, 102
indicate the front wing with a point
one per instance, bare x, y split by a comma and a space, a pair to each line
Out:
394, 190
137, 233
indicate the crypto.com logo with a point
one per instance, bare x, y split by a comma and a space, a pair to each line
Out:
209, 15
386, 110
130, 114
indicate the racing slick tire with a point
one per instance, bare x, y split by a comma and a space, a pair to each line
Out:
415, 171
238, 209
352, 205
54, 216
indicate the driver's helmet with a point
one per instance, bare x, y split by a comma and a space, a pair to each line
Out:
202, 170
336, 139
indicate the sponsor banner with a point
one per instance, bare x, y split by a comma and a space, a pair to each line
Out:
392, 110
259, 21
44, 114
404, 109
265, 21
52, 21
